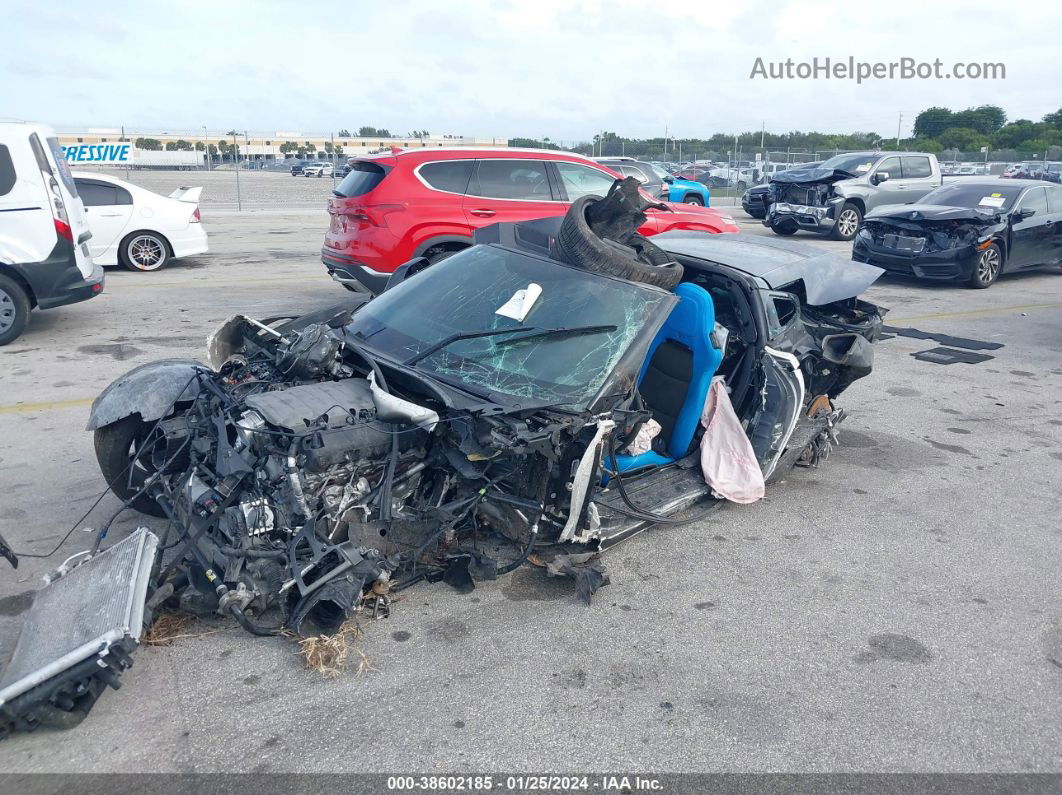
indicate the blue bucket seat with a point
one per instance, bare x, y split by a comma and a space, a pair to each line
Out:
677, 374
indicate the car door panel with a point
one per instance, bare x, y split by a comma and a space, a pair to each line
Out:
783, 403
1054, 206
1032, 239
108, 209
509, 190
917, 177
893, 190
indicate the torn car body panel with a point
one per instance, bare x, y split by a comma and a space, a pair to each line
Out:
826, 277
149, 390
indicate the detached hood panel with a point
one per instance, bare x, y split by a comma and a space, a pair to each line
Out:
801, 175
934, 212
826, 276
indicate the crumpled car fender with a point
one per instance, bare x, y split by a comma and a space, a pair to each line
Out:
149, 390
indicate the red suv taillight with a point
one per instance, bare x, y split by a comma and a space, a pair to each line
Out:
368, 214
196, 218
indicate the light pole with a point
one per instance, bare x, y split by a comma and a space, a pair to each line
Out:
206, 149
236, 161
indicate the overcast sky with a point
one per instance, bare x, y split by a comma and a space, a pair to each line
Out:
556, 68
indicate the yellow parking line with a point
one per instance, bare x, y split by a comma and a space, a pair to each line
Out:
999, 310
50, 405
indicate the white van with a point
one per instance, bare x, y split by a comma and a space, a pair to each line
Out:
44, 255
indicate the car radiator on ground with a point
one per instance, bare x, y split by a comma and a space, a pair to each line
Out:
77, 637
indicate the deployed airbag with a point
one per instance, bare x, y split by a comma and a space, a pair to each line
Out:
728, 461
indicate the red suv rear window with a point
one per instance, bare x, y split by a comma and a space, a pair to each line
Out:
363, 177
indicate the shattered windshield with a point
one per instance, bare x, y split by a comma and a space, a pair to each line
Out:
486, 288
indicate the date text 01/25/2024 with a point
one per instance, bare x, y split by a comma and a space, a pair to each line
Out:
524, 783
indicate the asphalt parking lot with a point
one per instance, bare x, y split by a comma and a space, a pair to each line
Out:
896, 610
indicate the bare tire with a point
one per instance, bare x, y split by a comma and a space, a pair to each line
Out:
144, 251
784, 229
848, 220
987, 268
693, 198
14, 310
115, 446
581, 246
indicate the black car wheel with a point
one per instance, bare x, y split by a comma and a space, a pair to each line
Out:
693, 198
784, 228
988, 267
14, 310
848, 220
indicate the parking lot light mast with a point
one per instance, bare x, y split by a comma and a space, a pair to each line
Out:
123, 138
206, 149
236, 162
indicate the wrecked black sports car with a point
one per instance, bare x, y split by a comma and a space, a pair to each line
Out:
969, 231
488, 408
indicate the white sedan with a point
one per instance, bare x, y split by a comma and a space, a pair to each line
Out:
137, 228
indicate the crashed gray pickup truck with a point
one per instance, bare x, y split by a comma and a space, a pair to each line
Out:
833, 198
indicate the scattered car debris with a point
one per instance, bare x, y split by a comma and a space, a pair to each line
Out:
951, 356
943, 339
466, 419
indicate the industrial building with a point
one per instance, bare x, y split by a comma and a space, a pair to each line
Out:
260, 148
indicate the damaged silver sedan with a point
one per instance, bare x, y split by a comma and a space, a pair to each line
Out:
549, 391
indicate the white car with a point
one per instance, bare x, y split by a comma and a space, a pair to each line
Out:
317, 170
136, 228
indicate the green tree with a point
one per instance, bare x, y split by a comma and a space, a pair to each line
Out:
309, 147
148, 144
180, 146
532, 143
1017, 133
963, 138
344, 133
1054, 119
373, 132
985, 119
931, 122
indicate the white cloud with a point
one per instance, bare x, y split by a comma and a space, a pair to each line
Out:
562, 68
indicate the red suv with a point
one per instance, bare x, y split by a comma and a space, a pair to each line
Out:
427, 202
